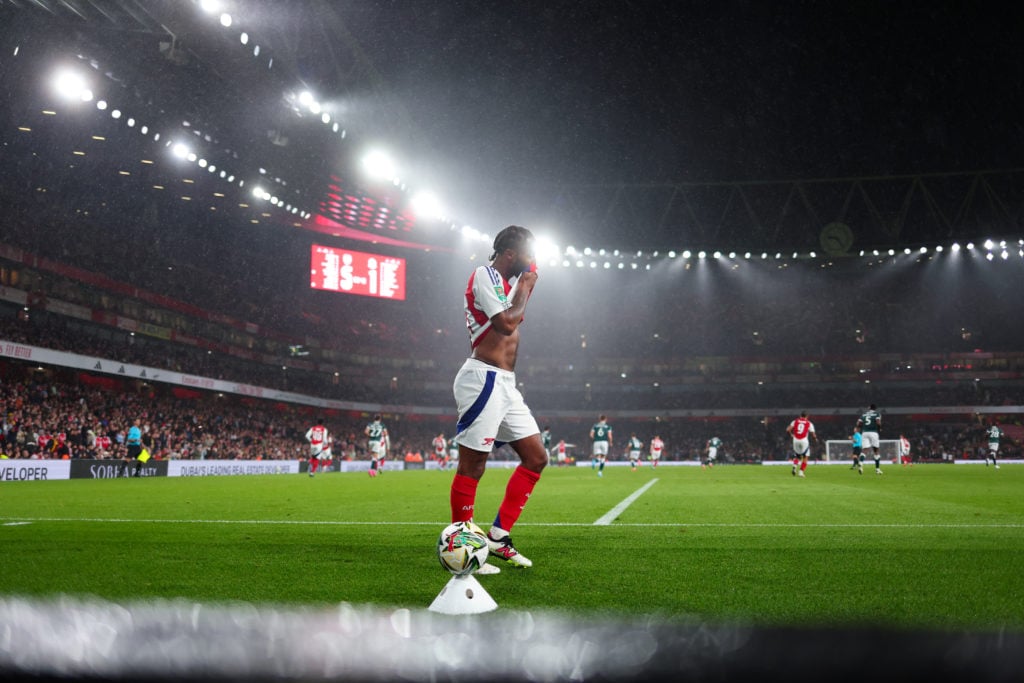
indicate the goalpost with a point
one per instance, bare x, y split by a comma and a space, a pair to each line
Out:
842, 451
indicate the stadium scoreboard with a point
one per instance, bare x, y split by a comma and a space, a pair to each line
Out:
357, 272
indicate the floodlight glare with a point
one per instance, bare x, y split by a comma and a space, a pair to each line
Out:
970, 245
938, 248
989, 244
732, 254
325, 117
956, 246
717, 254
672, 254
378, 165
257, 192
68, 84
180, 150
702, 254
746, 255
1004, 255
315, 107
210, 6
225, 20
192, 157
923, 250
587, 251
687, 254
892, 252
202, 163
608, 265
244, 38
905, 251
545, 249
989, 256
305, 98
426, 203
86, 95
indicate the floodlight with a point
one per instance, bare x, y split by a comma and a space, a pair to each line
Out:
892, 252
257, 192
192, 157
244, 38
938, 248
732, 254
906, 250
702, 254
426, 203
210, 6
379, 165
202, 163
545, 249
601, 252
956, 246
608, 265
587, 251
69, 84
325, 117
672, 254
923, 250
579, 264
180, 150
989, 256
315, 107
1004, 255
717, 254
86, 95
225, 20
746, 255
686, 254
989, 244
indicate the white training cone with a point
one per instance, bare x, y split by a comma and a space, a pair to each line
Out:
463, 595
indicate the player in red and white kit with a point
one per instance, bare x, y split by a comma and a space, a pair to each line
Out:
491, 408
440, 445
905, 451
657, 446
802, 431
317, 438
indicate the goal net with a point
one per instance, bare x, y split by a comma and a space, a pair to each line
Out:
842, 450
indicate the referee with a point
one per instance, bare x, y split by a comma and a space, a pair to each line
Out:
134, 442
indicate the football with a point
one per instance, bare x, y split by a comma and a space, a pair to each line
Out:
462, 548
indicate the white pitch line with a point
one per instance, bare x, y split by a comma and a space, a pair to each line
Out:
610, 516
19, 521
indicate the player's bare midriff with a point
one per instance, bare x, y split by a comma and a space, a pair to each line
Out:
498, 349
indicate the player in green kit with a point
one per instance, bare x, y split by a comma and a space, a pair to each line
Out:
993, 433
635, 446
545, 439
601, 435
870, 425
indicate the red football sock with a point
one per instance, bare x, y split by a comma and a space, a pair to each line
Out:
803, 465
313, 462
520, 486
463, 497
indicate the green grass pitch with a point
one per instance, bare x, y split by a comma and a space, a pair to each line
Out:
932, 546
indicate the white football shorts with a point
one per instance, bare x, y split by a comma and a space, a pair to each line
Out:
491, 409
869, 440
601, 448
993, 448
712, 453
801, 446
634, 455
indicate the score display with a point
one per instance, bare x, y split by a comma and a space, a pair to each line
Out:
357, 272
